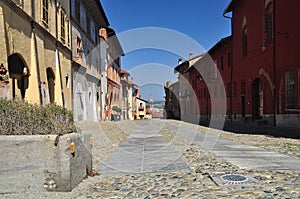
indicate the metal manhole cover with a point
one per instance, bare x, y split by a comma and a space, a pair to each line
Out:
233, 180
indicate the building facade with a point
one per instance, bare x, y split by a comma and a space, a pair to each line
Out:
125, 86
36, 51
115, 51
187, 95
172, 106
256, 69
266, 60
131, 92
89, 46
140, 107
211, 80
103, 72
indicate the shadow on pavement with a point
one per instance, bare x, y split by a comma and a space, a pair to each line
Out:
249, 127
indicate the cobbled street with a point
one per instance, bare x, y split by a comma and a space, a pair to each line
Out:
173, 159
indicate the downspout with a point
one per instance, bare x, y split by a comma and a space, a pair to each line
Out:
231, 67
274, 60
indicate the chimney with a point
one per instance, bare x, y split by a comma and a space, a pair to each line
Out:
190, 55
179, 61
103, 33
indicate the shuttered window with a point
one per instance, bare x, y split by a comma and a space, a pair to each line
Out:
244, 42
62, 26
45, 12
77, 10
269, 24
289, 89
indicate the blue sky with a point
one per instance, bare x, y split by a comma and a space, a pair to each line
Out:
200, 20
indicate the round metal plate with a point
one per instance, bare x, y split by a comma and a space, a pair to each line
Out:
234, 178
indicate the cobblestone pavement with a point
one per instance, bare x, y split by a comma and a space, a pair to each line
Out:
196, 183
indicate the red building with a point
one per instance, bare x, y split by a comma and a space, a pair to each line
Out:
259, 65
266, 60
211, 86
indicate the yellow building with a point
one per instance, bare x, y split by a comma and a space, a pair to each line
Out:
140, 108
36, 51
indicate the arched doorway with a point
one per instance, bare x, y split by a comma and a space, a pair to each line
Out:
51, 84
257, 99
19, 71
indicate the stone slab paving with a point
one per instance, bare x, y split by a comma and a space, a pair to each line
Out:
244, 156
144, 151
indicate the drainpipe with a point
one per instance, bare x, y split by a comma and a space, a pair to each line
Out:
231, 67
274, 60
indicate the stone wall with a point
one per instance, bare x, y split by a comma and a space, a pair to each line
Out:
288, 120
34, 163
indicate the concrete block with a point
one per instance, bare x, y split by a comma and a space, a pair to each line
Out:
34, 163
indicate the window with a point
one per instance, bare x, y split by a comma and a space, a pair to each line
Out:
243, 87
289, 89
77, 10
245, 42
269, 23
45, 12
90, 95
62, 26
228, 90
96, 37
229, 59
88, 25
234, 90
51, 84
68, 31
78, 47
222, 63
